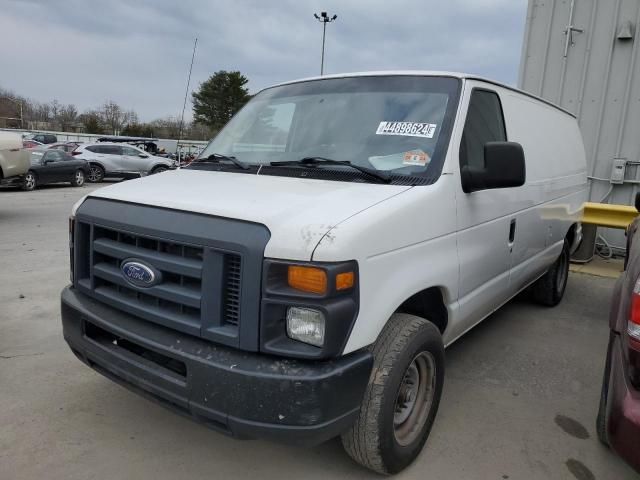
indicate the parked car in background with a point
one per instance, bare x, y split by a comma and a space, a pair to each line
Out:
119, 161
54, 166
14, 160
31, 144
65, 146
618, 422
42, 137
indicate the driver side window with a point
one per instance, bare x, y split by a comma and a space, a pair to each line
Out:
485, 123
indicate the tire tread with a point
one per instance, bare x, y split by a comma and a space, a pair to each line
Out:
361, 441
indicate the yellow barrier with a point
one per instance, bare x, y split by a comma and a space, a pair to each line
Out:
606, 215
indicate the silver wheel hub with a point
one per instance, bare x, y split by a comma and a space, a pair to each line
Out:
415, 398
30, 180
94, 173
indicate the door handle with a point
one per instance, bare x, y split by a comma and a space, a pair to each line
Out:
512, 231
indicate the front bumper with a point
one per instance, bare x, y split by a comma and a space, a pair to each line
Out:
623, 410
15, 181
244, 394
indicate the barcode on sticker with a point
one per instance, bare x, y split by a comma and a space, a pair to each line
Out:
407, 129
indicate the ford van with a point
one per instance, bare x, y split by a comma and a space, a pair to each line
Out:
303, 277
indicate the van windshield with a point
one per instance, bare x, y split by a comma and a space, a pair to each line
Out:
396, 124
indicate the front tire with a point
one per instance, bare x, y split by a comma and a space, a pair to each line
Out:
549, 289
78, 179
30, 181
96, 173
159, 169
402, 398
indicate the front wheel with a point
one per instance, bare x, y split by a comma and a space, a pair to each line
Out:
159, 169
549, 289
30, 181
78, 179
402, 398
96, 173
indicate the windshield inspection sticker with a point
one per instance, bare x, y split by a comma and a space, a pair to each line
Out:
407, 129
416, 157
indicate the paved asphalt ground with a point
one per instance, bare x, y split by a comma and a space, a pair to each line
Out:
520, 398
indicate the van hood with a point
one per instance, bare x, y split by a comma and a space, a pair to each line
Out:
298, 212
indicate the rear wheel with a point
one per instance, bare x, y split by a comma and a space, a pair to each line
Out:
549, 289
78, 178
30, 181
402, 397
96, 173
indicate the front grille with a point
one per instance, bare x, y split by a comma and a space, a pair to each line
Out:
177, 300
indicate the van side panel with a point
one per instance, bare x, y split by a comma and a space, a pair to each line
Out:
556, 185
403, 246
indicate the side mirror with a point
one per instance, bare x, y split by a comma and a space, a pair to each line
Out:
504, 167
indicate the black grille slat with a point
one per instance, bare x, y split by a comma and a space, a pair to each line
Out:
121, 300
231, 300
163, 261
169, 291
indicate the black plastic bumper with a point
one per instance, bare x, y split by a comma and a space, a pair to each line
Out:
16, 181
244, 394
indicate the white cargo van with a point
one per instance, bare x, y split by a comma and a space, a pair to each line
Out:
302, 279
14, 160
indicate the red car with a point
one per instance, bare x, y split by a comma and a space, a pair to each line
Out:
618, 422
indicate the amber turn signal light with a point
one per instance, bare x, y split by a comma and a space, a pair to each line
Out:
344, 281
307, 279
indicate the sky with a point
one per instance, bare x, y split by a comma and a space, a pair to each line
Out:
137, 52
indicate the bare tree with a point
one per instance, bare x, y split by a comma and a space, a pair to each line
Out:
67, 116
55, 109
113, 117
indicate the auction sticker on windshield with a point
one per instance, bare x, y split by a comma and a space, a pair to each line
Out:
407, 129
416, 157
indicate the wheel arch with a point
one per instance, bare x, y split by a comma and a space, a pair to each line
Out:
96, 162
574, 236
428, 304
158, 165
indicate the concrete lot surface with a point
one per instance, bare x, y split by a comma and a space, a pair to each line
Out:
520, 398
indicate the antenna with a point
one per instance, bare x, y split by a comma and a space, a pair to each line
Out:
184, 105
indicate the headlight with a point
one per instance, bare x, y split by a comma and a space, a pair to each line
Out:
306, 325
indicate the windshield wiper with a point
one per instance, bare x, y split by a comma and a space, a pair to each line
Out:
315, 161
217, 158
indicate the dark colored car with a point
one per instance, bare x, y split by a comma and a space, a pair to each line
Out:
45, 138
53, 166
618, 422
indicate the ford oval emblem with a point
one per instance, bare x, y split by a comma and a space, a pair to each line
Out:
139, 274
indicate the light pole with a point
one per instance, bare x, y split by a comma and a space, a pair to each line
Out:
324, 18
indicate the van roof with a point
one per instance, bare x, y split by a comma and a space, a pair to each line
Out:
428, 73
